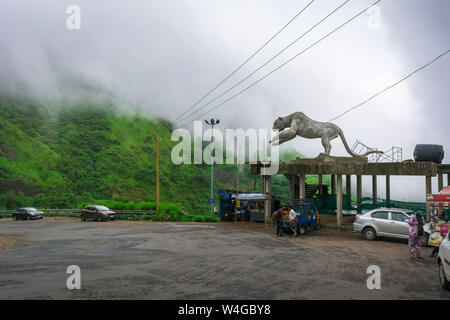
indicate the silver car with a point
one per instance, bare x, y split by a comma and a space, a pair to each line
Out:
383, 222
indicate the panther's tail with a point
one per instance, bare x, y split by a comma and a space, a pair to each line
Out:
341, 134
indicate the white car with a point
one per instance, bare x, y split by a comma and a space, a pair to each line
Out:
444, 262
383, 222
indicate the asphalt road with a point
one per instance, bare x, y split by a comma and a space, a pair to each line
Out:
144, 260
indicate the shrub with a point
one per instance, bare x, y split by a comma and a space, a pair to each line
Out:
146, 205
130, 206
211, 219
146, 217
199, 219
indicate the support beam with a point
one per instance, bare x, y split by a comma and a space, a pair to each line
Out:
302, 186
358, 192
428, 190
339, 201
374, 190
448, 179
428, 213
388, 190
333, 184
319, 183
267, 197
292, 188
263, 185
440, 182
428, 186
348, 187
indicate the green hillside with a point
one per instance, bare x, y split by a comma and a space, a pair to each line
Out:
67, 156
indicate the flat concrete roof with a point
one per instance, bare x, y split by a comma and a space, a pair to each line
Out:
443, 168
352, 166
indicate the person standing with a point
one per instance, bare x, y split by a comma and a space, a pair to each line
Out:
278, 215
415, 234
293, 221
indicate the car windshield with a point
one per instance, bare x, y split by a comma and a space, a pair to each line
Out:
30, 209
102, 208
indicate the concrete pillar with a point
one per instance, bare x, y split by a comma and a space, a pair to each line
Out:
440, 181
348, 187
302, 186
374, 189
339, 201
428, 213
319, 183
428, 190
358, 192
388, 190
333, 184
428, 186
267, 197
292, 188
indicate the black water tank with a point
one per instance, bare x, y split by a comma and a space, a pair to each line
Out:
429, 152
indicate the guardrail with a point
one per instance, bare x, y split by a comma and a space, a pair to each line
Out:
71, 212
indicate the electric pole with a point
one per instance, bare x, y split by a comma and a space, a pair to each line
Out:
211, 199
157, 173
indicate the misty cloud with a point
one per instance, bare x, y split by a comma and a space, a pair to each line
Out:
159, 57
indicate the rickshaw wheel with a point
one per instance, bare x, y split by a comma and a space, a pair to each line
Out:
301, 230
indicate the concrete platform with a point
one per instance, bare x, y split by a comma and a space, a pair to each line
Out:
354, 166
337, 167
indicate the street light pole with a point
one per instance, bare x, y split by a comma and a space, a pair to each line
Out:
157, 173
211, 199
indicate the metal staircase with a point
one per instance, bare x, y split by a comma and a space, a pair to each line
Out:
311, 190
394, 154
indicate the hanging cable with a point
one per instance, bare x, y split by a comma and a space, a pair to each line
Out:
285, 63
266, 63
245, 62
391, 86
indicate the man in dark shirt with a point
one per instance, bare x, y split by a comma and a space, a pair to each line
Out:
278, 216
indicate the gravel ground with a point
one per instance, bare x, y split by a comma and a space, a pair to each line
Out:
145, 260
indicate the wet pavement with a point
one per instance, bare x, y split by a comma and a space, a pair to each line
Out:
145, 260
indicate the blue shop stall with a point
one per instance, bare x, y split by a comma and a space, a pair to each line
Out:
243, 206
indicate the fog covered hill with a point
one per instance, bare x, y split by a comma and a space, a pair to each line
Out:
67, 155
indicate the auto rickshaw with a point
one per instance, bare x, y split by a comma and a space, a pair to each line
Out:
307, 217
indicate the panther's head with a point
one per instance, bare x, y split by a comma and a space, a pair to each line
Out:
278, 125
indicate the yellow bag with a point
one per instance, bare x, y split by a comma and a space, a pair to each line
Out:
435, 239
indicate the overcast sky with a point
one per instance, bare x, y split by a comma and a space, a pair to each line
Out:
162, 56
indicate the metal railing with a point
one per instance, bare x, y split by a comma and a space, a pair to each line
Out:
72, 212
394, 154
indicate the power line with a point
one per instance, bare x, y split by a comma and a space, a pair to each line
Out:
392, 85
267, 62
285, 63
245, 62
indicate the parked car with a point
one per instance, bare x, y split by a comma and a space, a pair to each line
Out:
99, 213
27, 214
384, 222
444, 262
